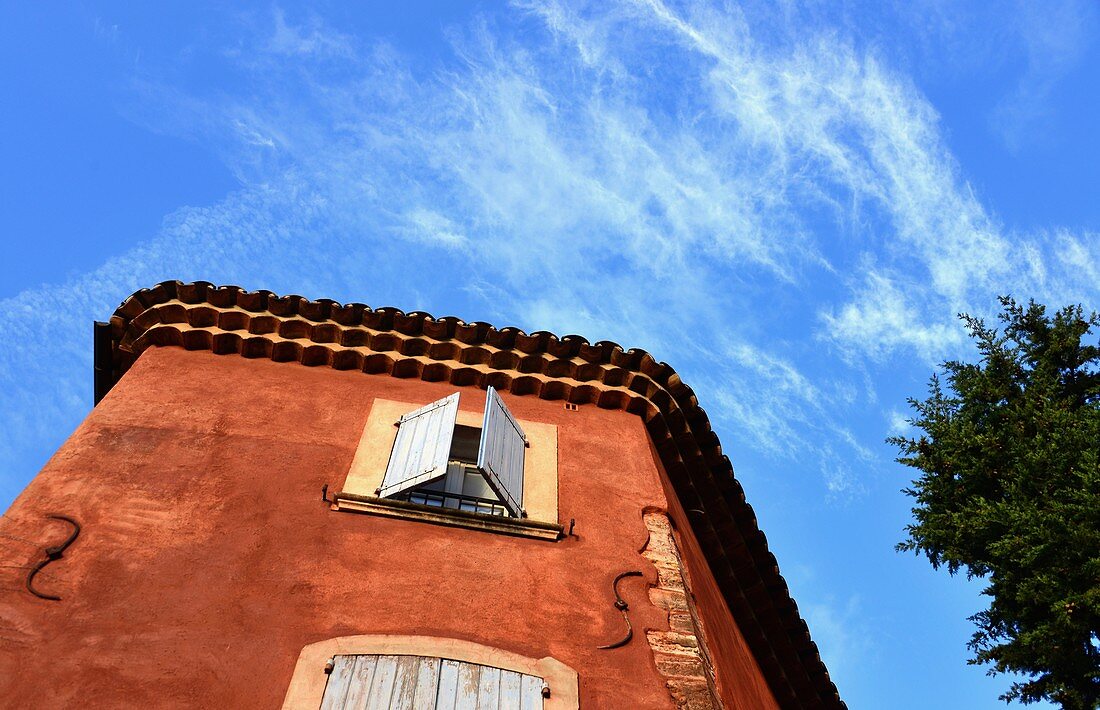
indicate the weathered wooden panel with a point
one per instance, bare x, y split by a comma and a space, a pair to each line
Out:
530, 693
509, 689
427, 682
500, 456
488, 688
422, 446
448, 685
469, 677
404, 682
339, 680
361, 678
381, 687
375, 682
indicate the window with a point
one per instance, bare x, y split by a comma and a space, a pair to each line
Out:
426, 683
436, 462
442, 464
425, 673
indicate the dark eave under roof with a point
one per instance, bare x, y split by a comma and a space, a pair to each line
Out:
260, 324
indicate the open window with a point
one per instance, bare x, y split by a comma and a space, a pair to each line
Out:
437, 462
441, 464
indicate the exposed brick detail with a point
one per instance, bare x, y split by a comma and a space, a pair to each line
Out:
678, 653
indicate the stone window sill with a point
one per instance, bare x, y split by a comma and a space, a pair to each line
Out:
373, 505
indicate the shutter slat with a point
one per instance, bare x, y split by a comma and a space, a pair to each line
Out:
488, 689
336, 689
428, 429
427, 683
381, 687
421, 447
404, 683
468, 683
361, 678
500, 455
448, 685
531, 692
509, 690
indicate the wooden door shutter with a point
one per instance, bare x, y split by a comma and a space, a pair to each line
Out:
422, 446
500, 456
379, 682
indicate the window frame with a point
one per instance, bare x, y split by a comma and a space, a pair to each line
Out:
307, 685
540, 476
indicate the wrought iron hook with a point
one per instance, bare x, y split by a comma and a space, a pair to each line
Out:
622, 606
53, 553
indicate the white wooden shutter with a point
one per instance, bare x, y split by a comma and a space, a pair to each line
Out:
422, 446
500, 455
426, 683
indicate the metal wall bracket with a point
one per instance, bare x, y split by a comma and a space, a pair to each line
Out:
53, 553
622, 606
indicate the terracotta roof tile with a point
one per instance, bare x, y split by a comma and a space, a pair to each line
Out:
260, 324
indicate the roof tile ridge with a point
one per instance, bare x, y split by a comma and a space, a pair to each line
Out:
385, 318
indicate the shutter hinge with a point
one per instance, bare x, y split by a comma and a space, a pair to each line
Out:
331, 663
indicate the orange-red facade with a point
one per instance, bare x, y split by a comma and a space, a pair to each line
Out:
207, 560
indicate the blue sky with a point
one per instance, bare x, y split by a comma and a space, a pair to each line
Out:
787, 202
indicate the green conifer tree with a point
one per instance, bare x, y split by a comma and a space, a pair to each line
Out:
1009, 491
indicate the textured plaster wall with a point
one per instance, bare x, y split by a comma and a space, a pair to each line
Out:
208, 561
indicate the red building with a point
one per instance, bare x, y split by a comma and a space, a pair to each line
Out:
285, 502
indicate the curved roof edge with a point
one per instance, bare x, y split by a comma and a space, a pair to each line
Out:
353, 336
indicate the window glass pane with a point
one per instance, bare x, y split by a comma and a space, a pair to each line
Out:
464, 443
474, 484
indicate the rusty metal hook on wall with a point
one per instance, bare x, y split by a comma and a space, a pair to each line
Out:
622, 606
53, 553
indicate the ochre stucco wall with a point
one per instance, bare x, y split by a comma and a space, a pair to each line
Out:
207, 559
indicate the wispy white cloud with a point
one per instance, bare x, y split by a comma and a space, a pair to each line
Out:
827, 113
844, 634
434, 228
898, 422
775, 408
312, 38
1075, 273
845, 638
882, 318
